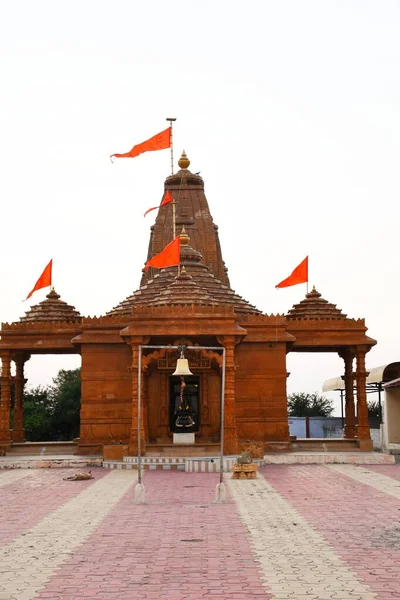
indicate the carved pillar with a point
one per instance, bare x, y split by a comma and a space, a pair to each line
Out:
362, 429
133, 439
18, 433
163, 415
145, 403
5, 406
350, 426
230, 430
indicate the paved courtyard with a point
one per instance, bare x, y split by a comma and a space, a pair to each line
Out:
296, 533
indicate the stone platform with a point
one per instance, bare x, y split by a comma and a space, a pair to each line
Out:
325, 458
68, 461
190, 464
208, 464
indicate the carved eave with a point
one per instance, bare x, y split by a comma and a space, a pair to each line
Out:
41, 337
186, 320
101, 330
327, 335
266, 328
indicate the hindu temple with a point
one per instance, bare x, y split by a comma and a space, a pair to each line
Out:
186, 307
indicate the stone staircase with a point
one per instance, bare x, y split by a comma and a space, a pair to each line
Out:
325, 445
170, 450
42, 449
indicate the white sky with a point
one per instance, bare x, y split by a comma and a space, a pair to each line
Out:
289, 109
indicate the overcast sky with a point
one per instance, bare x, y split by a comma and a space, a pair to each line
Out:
290, 110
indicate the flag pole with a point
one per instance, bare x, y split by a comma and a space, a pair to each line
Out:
171, 121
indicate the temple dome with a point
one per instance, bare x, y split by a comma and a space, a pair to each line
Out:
183, 290
196, 284
52, 309
315, 307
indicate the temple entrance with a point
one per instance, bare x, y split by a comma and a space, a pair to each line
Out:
184, 417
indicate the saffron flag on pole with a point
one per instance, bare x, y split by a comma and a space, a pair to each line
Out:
299, 275
167, 199
169, 257
160, 141
44, 280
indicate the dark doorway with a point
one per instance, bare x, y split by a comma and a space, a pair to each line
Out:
184, 418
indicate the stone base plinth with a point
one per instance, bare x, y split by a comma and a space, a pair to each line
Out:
115, 452
183, 438
366, 445
244, 471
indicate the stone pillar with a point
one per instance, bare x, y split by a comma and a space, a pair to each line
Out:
133, 439
350, 413
145, 403
5, 406
18, 433
362, 430
230, 429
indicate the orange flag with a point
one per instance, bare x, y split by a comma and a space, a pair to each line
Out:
169, 257
299, 275
167, 199
44, 280
157, 142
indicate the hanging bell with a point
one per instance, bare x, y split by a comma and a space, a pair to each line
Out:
182, 367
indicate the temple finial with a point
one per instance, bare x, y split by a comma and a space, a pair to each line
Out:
183, 162
185, 239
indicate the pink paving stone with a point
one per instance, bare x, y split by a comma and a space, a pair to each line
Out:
361, 523
145, 543
392, 471
25, 502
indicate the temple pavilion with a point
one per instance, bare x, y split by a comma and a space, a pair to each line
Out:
195, 307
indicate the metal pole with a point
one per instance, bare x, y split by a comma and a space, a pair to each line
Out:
139, 414
341, 404
221, 468
380, 401
171, 120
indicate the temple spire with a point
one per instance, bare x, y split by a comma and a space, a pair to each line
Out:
191, 211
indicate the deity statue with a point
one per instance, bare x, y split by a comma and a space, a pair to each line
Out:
183, 413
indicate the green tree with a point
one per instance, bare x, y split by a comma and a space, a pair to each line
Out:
66, 399
309, 405
38, 414
52, 413
373, 408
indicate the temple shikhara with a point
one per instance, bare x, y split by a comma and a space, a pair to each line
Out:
186, 307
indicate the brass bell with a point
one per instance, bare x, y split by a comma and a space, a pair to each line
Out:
182, 367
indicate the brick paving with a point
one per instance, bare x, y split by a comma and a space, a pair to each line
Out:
361, 523
305, 532
40, 493
180, 546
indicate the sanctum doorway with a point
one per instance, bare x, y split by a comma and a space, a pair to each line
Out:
184, 418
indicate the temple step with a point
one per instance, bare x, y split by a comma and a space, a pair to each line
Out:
325, 445
174, 463
167, 449
42, 448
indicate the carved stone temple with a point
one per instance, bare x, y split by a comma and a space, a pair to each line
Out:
195, 307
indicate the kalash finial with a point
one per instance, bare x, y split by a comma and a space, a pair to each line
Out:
184, 162
185, 239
